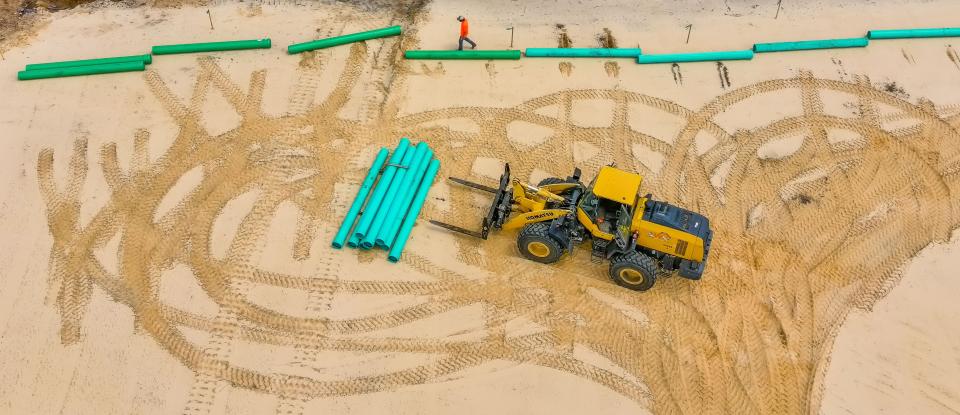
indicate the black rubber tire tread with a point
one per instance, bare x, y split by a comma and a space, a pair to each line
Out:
538, 232
551, 180
646, 265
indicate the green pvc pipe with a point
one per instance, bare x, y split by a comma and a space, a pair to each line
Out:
411, 218
212, 46
412, 155
376, 199
362, 193
146, 59
697, 57
342, 40
81, 70
462, 54
399, 209
856, 42
582, 52
914, 33
354, 241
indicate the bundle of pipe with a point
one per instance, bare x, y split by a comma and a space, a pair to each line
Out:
84, 67
387, 216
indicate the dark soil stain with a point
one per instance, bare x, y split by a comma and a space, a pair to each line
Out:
894, 89
724, 74
677, 76
606, 39
563, 40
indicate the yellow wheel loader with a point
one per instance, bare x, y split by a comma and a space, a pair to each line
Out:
641, 237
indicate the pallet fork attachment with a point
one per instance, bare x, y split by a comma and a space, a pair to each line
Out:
499, 210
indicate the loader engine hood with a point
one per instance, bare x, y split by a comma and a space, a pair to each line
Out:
671, 216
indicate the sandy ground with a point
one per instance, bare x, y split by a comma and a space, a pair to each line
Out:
168, 231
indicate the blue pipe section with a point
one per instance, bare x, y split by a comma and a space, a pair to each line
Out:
411, 218
697, 57
373, 205
914, 33
389, 231
582, 52
390, 197
857, 42
354, 241
362, 193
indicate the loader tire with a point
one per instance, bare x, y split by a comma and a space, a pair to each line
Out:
536, 244
633, 270
550, 180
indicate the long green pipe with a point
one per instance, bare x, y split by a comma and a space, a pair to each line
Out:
342, 40
146, 59
697, 57
388, 233
914, 33
462, 54
856, 42
412, 156
80, 70
354, 241
582, 52
411, 218
212, 46
362, 193
373, 205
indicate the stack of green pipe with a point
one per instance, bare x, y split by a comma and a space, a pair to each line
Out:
462, 54
212, 46
582, 52
84, 67
395, 201
342, 40
376, 199
81, 70
697, 57
914, 33
397, 249
362, 194
146, 59
398, 211
857, 42
389, 197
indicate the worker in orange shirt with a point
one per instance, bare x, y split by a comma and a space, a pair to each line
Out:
464, 31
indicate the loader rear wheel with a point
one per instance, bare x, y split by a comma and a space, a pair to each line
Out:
536, 244
633, 270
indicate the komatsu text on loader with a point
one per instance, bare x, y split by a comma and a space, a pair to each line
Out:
641, 237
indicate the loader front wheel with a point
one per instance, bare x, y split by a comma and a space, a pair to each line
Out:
536, 244
633, 270
551, 180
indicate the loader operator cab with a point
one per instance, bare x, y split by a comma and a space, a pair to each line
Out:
609, 201
604, 213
